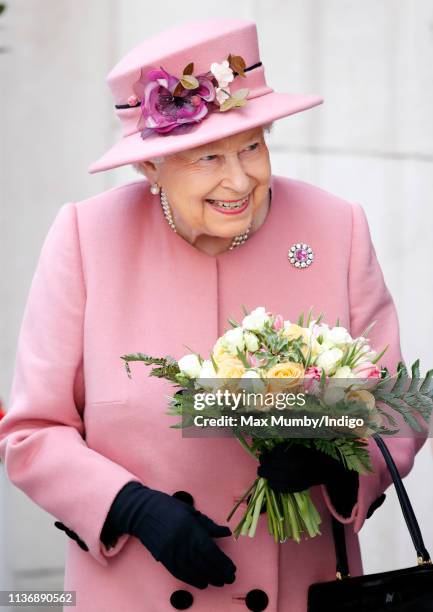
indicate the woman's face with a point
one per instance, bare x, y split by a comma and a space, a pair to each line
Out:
232, 168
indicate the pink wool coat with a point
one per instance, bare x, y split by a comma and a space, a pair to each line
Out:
113, 278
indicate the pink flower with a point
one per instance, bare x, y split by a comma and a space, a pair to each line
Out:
278, 322
163, 112
313, 372
366, 370
312, 376
316, 331
253, 361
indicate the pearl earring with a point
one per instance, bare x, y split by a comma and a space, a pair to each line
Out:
155, 189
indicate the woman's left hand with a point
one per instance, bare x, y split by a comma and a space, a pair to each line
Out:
299, 467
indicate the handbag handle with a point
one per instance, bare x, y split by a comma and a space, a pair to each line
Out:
423, 556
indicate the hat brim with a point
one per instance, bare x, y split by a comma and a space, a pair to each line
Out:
257, 111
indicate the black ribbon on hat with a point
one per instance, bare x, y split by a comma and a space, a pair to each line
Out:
122, 106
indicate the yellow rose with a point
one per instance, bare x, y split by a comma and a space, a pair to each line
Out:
293, 331
283, 376
230, 370
220, 353
230, 367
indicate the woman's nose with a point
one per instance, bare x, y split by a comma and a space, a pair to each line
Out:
235, 177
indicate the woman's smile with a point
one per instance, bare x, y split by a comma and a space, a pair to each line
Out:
229, 207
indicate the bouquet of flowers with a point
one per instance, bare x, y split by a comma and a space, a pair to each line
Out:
333, 375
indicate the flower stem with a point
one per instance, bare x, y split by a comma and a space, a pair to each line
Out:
288, 514
241, 500
257, 507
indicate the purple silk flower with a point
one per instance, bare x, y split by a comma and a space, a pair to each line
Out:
162, 112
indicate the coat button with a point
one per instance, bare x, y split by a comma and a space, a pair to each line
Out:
181, 599
376, 504
82, 545
184, 496
256, 600
60, 526
72, 535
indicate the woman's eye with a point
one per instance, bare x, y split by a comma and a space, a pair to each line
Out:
253, 147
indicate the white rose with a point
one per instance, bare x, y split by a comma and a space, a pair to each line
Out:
329, 360
366, 354
208, 376
315, 327
319, 330
207, 369
234, 339
342, 377
251, 341
190, 365
219, 344
251, 382
343, 372
222, 72
332, 395
256, 320
325, 346
339, 336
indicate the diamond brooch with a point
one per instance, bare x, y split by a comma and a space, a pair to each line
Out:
301, 255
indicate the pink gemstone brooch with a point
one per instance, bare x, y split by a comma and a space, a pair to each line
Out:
301, 255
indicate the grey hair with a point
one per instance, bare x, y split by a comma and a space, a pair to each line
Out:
138, 167
267, 128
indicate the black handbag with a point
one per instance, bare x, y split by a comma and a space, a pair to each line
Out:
404, 590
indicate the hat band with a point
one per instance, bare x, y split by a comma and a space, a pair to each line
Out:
255, 82
123, 106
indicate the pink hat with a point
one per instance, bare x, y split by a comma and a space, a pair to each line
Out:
189, 85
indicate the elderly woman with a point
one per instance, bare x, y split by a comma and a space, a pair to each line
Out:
158, 264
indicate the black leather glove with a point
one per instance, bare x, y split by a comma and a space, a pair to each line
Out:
299, 467
176, 534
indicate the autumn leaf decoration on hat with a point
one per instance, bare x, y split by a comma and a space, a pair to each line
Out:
170, 104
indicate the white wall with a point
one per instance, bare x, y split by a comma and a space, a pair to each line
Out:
372, 141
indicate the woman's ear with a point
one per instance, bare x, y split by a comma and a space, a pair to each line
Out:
150, 171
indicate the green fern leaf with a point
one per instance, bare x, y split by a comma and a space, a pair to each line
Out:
415, 381
428, 380
400, 406
402, 378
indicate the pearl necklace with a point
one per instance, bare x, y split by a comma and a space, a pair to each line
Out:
237, 240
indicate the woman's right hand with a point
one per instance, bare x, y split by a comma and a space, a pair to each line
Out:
175, 533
